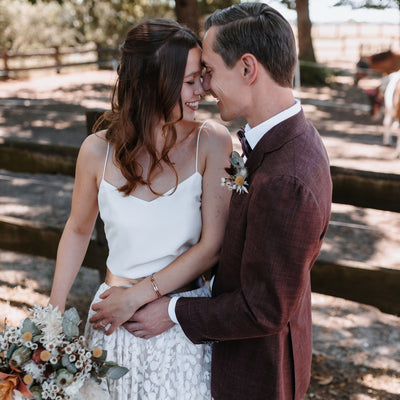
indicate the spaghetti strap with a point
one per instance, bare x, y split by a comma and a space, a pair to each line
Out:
105, 161
197, 147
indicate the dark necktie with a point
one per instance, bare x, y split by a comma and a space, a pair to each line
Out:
243, 141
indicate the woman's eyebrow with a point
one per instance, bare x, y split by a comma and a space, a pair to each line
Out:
194, 73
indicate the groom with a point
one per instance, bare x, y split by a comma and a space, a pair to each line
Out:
259, 315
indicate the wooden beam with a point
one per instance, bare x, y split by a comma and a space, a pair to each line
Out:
376, 286
366, 189
34, 158
40, 240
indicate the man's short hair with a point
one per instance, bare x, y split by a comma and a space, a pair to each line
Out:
258, 29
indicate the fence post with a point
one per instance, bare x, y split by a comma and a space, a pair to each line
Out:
57, 58
99, 50
5, 57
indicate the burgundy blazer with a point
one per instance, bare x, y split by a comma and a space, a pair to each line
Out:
259, 316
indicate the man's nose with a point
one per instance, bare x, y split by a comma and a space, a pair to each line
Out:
206, 83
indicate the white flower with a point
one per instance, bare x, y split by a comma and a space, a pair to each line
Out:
82, 339
49, 320
69, 349
73, 389
17, 395
33, 369
92, 390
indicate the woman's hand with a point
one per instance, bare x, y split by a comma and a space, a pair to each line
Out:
116, 307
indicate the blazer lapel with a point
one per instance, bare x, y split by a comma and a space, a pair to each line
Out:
275, 138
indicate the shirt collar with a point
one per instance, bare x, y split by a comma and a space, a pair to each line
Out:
253, 135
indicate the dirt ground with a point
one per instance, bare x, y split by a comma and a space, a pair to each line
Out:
356, 347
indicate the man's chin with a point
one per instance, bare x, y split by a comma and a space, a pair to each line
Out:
224, 116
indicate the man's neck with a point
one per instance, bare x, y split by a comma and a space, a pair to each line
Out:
266, 106
267, 98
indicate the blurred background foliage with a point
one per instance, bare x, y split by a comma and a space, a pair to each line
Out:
36, 24
28, 25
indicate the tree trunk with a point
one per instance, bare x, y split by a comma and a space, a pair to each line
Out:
186, 14
306, 49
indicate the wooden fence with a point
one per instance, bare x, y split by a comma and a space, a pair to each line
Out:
55, 58
377, 286
333, 43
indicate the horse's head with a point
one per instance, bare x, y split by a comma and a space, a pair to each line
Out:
362, 68
383, 62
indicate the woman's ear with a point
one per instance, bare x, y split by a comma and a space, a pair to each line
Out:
249, 68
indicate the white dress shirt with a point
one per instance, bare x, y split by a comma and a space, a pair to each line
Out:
253, 136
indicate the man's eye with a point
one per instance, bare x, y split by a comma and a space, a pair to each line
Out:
206, 73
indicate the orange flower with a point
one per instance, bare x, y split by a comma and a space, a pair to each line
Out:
9, 382
7, 386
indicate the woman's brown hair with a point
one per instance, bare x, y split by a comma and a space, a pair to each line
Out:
148, 87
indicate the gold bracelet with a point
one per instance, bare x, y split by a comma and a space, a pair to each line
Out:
155, 287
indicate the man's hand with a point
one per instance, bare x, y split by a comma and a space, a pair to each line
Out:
115, 308
151, 320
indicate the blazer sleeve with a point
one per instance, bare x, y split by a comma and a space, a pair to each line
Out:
283, 236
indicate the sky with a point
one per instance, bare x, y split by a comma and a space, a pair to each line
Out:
322, 11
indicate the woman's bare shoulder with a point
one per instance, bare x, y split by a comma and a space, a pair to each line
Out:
215, 132
95, 144
93, 152
216, 135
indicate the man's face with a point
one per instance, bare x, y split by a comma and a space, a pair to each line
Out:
222, 82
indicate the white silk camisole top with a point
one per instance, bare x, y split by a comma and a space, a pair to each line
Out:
145, 236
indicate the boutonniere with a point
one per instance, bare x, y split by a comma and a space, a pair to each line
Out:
237, 174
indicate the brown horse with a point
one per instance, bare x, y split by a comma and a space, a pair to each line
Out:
384, 63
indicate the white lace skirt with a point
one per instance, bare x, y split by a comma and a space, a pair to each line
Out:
166, 367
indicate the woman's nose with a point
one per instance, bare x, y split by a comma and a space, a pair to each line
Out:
199, 90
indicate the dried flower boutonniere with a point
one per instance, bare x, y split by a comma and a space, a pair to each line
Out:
237, 174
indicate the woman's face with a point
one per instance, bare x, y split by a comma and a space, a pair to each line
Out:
192, 89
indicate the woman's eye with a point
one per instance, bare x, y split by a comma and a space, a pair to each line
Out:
190, 82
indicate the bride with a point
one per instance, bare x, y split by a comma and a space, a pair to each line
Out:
155, 176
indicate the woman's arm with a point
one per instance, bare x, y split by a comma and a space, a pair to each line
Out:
119, 304
79, 227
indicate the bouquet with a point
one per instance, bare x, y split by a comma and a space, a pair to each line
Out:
45, 358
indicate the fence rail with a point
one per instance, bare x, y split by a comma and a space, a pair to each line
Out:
332, 43
56, 58
376, 286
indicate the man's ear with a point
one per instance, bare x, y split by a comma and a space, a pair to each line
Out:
249, 65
